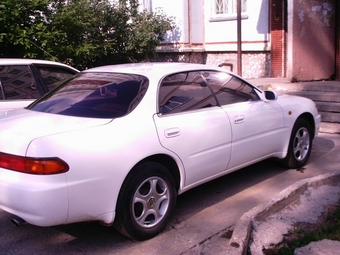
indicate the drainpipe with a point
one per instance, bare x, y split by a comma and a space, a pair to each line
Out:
337, 41
239, 39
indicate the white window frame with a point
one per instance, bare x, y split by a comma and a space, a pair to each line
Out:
219, 11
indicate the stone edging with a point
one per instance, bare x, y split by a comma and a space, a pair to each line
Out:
239, 241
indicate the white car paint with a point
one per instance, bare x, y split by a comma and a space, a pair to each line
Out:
6, 105
100, 152
250, 123
195, 142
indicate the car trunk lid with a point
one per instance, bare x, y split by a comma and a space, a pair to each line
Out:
19, 127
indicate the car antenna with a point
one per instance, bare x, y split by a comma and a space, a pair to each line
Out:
55, 58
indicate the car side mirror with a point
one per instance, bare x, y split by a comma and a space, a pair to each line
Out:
270, 95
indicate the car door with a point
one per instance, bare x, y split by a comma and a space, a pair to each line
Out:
257, 126
192, 125
18, 86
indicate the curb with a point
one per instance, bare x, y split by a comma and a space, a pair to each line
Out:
238, 244
330, 128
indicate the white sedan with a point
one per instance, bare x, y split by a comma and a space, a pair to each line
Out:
117, 144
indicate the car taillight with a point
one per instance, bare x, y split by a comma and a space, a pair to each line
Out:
42, 166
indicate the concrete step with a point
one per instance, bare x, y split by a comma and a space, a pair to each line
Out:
282, 84
323, 86
332, 128
315, 95
328, 106
332, 117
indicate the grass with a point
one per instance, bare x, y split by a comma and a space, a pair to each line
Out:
302, 236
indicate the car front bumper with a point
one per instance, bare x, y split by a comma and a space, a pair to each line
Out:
317, 124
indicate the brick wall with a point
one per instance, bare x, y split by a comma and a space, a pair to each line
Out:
313, 40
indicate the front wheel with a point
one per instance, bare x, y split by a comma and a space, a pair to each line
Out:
146, 201
300, 145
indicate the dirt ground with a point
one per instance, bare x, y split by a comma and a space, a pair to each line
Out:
300, 228
308, 212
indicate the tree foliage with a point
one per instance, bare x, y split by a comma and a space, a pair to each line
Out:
83, 33
20, 23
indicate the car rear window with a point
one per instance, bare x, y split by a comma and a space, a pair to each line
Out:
95, 95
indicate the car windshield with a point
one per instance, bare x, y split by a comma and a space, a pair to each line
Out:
95, 95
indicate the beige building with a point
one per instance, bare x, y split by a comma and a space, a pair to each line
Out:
279, 38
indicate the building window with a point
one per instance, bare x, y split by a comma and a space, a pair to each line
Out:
227, 10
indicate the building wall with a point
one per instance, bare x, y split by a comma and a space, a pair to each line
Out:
254, 64
181, 12
221, 34
200, 37
337, 53
304, 48
311, 39
196, 25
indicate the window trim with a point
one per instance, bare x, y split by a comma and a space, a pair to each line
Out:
225, 16
178, 100
228, 17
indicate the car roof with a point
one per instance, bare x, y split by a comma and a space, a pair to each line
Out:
28, 61
152, 68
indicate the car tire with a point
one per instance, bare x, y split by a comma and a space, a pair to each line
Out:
146, 201
300, 145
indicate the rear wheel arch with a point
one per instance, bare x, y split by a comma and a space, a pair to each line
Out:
169, 163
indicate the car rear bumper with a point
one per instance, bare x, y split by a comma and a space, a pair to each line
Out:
39, 200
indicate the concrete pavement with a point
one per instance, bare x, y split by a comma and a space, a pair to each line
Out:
239, 242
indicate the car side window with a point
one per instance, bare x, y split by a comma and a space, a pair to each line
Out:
17, 82
54, 76
229, 89
183, 92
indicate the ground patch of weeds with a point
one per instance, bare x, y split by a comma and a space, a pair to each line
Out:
327, 227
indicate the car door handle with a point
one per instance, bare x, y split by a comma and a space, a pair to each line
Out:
172, 132
239, 119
